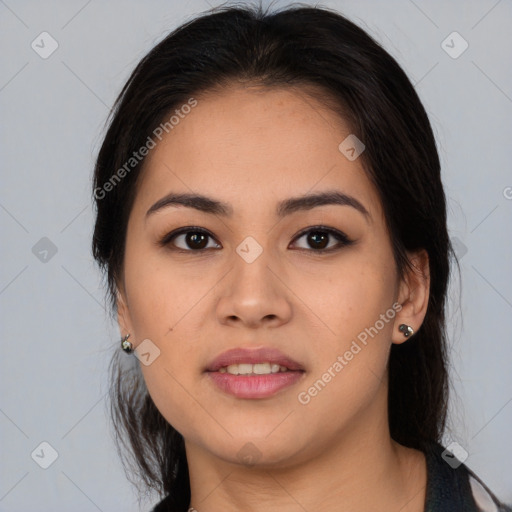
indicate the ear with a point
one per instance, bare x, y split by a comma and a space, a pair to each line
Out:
414, 291
123, 313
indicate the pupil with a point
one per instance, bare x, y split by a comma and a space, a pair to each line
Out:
196, 239
315, 236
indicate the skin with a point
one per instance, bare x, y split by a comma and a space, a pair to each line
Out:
252, 147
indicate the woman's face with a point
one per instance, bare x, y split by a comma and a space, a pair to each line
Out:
256, 276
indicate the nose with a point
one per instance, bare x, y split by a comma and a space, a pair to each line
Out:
254, 294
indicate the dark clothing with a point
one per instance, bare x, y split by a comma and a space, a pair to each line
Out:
451, 487
456, 489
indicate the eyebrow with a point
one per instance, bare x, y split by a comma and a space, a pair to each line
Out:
286, 207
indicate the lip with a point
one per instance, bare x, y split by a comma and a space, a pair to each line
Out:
253, 356
254, 386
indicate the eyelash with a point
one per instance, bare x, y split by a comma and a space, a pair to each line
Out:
343, 240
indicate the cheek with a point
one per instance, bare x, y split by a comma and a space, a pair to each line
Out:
159, 296
356, 304
349, 295
179, 401
164, 304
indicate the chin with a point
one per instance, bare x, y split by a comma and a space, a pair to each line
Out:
257, 451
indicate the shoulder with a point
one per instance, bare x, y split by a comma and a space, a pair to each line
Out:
453, 487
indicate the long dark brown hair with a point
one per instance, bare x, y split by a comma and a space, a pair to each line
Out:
340, 64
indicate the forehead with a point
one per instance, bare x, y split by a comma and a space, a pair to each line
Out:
255, 142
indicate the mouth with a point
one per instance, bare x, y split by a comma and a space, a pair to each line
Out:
266, 368
254, 373
253, 360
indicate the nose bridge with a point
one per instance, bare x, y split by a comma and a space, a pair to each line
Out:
251, 263
254, 293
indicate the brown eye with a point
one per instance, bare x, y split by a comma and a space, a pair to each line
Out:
196, 240
318, 239
189, 239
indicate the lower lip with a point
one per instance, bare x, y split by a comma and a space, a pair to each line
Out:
254, 386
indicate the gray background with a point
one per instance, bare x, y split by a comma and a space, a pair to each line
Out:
56, 335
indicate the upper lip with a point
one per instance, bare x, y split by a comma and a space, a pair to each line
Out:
253, 356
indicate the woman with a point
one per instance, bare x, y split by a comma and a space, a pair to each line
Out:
272, 223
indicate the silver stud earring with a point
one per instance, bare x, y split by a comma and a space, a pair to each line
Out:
126, 345
407, 330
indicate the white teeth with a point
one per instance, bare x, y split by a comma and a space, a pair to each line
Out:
233, 369
243, 369
256, 369
261, 368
